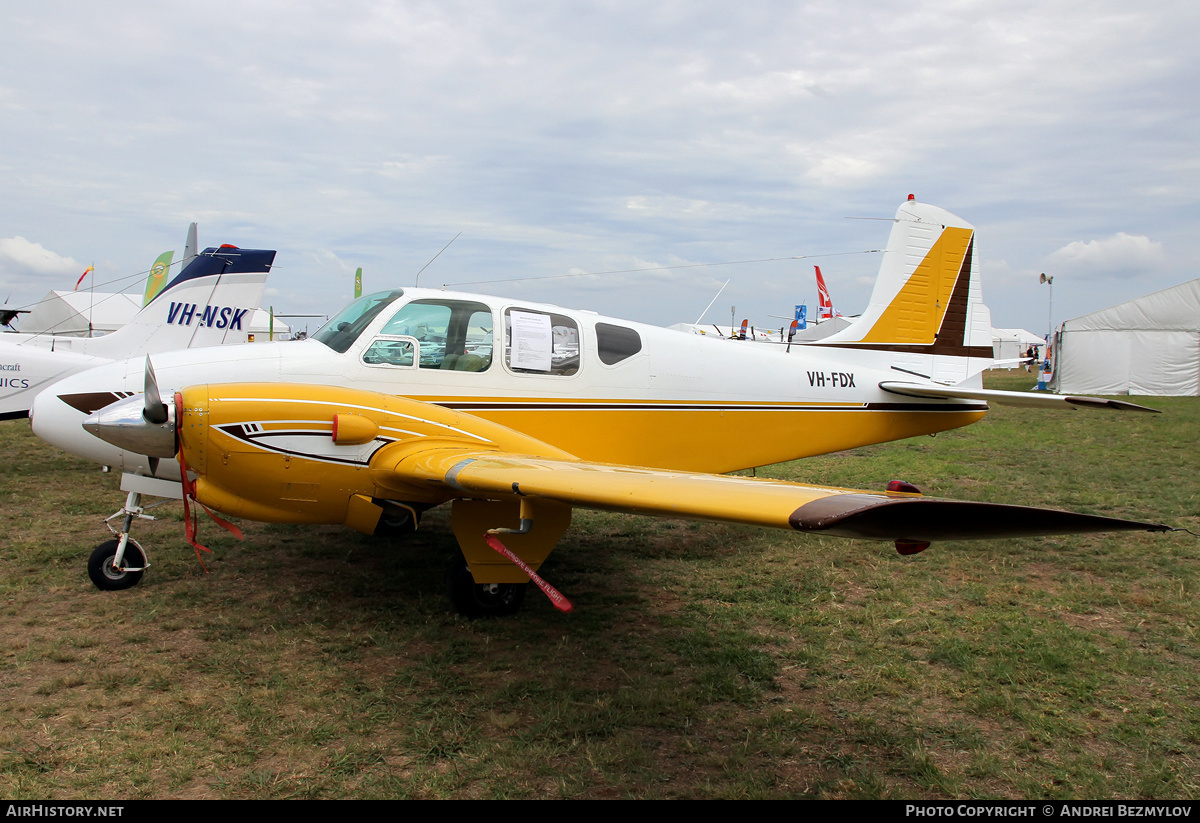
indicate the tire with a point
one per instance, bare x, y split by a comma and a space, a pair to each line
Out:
473, 600
100, 566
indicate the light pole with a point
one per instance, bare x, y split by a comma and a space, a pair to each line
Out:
1050, 311
1041, 384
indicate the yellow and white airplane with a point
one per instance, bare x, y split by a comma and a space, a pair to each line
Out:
516, 412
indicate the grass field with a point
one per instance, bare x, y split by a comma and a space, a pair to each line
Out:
701, 661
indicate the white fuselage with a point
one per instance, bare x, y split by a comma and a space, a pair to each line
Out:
603, 389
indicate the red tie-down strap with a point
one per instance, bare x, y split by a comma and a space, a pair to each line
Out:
190, 524
561, 603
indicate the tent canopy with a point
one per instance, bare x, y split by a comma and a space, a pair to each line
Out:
1009, 346
74, 313
1148, 346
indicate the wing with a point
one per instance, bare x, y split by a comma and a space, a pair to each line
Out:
1011, 398
901, 516
296, 453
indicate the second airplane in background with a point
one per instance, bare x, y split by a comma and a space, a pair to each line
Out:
209, 303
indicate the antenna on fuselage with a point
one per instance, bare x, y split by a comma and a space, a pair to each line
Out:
710, 302
435, 257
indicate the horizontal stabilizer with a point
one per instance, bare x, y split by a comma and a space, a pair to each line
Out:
1010, 398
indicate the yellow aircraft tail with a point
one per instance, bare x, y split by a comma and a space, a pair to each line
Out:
927, 308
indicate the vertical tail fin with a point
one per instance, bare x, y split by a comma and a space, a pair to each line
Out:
158, 276
208, 303
927, 307
189, 246
824, 303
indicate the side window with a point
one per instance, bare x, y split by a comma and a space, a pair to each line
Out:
477, 342
454, 335
390, 351
428, 323
536, 342
615, 343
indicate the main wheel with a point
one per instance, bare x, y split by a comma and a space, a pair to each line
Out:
473, 599
107, 578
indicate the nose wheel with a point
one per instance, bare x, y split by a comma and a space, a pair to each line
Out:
119, 563
110, 573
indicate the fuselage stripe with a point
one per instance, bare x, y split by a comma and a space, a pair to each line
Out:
476, 406
241, 431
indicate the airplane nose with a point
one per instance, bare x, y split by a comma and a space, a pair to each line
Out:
124, 425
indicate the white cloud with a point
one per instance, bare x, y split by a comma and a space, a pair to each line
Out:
769, 88
410, 165
324, 259
676, 207
1119, 254
832, 170
17, 253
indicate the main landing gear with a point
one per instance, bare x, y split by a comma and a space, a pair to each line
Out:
507, 577
473, 599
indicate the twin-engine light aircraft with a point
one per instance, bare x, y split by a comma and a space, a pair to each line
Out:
517, 412
209, 303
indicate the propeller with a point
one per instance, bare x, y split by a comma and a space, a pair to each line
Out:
154, 410
145, 426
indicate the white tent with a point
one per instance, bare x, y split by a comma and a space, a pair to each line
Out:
81, 313
1010, 345
1150, 345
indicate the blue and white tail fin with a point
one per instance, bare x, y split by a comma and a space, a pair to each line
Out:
211, 302
927, 308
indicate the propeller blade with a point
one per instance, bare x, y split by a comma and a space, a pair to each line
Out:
154, 410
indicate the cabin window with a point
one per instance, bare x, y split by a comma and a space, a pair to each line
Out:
538, 342
454, 335
344, 327
391, 351
615, 343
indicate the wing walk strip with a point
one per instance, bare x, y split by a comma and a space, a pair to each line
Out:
771, 503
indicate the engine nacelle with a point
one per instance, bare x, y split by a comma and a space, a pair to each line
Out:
317, 454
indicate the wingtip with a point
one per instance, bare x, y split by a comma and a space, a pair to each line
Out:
1101, 402
876, 517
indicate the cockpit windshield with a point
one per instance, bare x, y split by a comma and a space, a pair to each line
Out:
344, 327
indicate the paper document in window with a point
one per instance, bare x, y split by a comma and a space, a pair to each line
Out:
531, 341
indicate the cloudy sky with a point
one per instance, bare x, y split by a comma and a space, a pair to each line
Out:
562, 138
